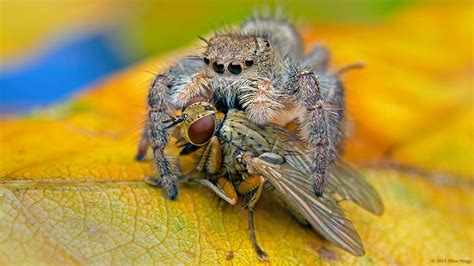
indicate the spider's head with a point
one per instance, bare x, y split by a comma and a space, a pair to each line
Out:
240, 68
234, 56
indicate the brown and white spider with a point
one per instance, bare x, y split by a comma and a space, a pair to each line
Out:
261, 69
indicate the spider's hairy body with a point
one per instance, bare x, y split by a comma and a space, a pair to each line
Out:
260, 69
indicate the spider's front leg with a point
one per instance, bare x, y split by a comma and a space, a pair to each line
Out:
173, 90
144, 143
168, 92
319, 122
156, 135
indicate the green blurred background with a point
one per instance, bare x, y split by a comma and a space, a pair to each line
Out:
51, 49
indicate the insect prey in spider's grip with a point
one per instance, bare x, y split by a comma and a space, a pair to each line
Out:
272, 160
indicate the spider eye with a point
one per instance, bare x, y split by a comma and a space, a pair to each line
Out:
249, 62
206, 61
234, 68
218, 67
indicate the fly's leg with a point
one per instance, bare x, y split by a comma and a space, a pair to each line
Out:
252, 183
201, 165
257, 194
225, 190
212, 161
228, 188
213, 166
262, 255
257, 168
159, 110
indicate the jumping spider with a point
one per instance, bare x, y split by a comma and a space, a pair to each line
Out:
261, 69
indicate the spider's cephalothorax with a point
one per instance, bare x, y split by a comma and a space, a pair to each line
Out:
240, 69
259, 68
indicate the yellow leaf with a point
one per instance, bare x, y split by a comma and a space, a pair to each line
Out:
71, 193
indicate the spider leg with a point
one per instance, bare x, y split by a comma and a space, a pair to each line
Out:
189, 87
260, 101
159, 109
184, 80
143, 144
169, 91
250, 183
318, 58
321, 123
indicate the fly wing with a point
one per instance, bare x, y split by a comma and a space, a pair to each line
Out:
351, 185
323, 213
344, 180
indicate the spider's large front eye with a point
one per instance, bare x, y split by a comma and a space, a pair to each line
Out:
249, 62
218, 68
234, 68
207, 61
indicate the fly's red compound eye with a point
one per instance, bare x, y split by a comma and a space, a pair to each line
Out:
202, 130
201, 123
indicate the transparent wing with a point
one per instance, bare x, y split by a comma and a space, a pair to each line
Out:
323, 213
344, 180
351, 185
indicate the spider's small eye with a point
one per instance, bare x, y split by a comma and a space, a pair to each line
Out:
207, 61
267, 43
249, 62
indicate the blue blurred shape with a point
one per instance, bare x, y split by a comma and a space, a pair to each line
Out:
60, 71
